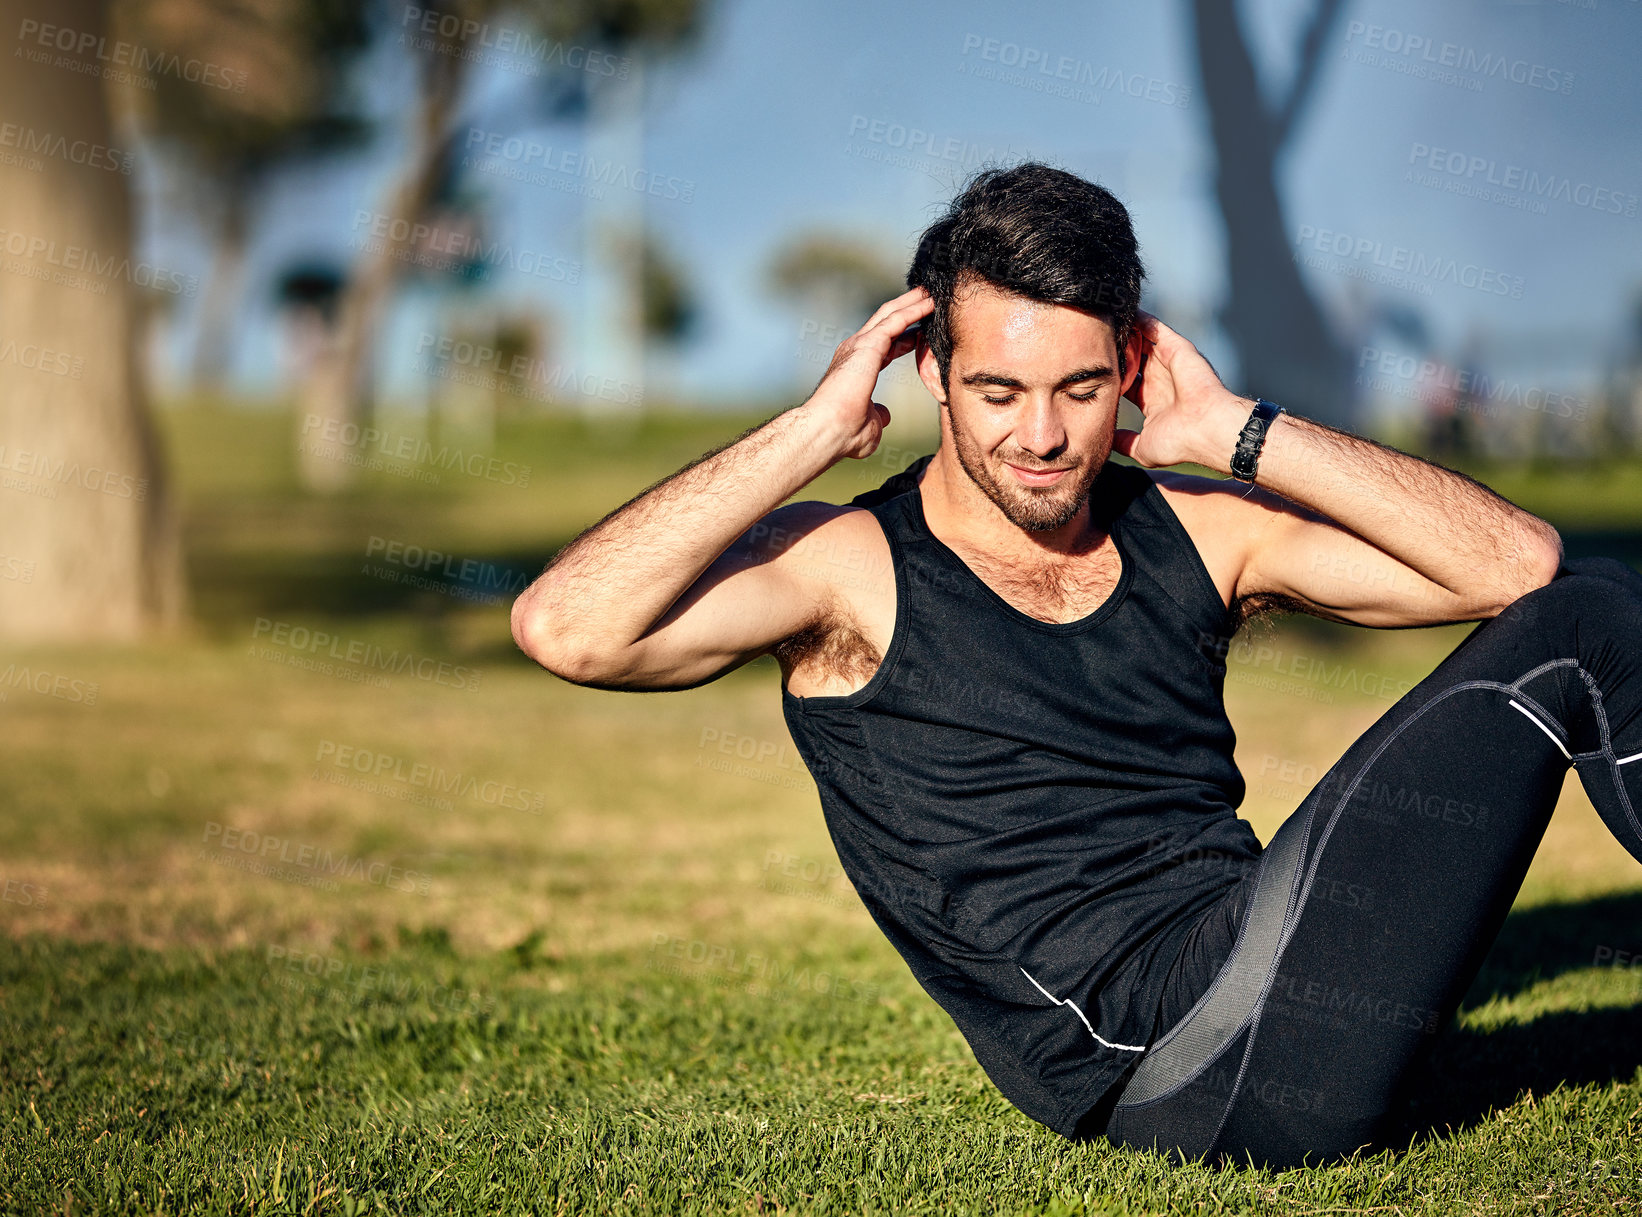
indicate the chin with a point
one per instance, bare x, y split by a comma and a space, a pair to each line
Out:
1039, 510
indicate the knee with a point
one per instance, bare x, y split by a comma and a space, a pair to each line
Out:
1593, 615
1609, 570
1590, 591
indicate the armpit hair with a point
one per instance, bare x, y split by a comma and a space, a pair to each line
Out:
1247, 609
830, 641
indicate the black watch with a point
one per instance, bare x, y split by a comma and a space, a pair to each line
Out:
1247, 457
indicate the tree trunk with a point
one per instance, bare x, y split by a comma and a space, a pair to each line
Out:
85, 512
339, 388
613, 244
224, 287
1285, 347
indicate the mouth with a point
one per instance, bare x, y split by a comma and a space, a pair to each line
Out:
1038, 477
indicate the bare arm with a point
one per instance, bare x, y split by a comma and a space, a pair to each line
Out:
649, 597
1343, 526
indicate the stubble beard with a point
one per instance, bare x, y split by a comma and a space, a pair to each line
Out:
1033, 509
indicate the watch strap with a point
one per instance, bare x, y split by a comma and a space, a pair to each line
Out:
1245, 460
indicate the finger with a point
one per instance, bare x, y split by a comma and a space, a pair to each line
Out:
905, 298
895, 329
903, 318
902, 315
1123, 441
904, 345
1165, 341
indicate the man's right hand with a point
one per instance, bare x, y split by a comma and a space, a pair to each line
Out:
845, 392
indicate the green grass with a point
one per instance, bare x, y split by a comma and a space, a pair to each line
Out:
229, 1082
647, 989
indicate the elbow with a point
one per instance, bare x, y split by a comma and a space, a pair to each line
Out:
1539, 561
552, 648
530, 632
1543, 556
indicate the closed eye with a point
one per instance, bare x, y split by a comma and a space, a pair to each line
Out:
1005, 400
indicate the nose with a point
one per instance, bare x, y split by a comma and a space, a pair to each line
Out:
1040, 431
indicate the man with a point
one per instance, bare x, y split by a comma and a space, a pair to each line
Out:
1005, 666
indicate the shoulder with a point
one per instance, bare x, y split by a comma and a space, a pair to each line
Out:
808, 528
1216, 518
1209, 505
1230, 522
830, 550
894, 486
1223, 507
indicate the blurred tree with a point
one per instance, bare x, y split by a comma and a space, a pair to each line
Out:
668, 310
834, 275
444, 36
669, 314
280, 96
522, 339
86, 500
306, 293
1620, 401
838, 281
1285, 347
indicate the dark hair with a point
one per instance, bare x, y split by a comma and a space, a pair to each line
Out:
1038, 232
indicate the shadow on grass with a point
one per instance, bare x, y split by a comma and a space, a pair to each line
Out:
231, 589
1470, 1073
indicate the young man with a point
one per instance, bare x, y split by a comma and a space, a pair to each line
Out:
1004, 669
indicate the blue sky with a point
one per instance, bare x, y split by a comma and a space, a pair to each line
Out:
783, 118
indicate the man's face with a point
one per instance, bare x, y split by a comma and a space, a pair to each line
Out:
1032, 398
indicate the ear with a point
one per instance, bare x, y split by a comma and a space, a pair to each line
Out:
1133, 349
929, 369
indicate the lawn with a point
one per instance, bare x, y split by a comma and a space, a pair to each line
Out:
396, 922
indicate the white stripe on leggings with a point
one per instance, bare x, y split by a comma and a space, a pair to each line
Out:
1629, 759
1068, 1004
1545, 729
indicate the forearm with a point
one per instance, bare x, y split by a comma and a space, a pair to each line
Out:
1453, 530
610, 585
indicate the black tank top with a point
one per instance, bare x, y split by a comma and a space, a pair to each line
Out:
1033, 812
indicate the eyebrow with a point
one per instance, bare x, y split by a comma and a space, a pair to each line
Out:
1004, 381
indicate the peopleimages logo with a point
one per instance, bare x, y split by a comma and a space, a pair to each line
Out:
108, 58
1060, 75
331, 437
47, 684
1429, 54
434, 778
48, 252
37, 358
366, 656
515, 373
455, 250
76, 152
471, 36
59, 471
1511, 182
528, 154
270, 853
1401, 265
1477, 392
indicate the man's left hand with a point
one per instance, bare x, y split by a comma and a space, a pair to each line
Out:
1190, 415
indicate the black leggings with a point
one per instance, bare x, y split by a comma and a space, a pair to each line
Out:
1382, 893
